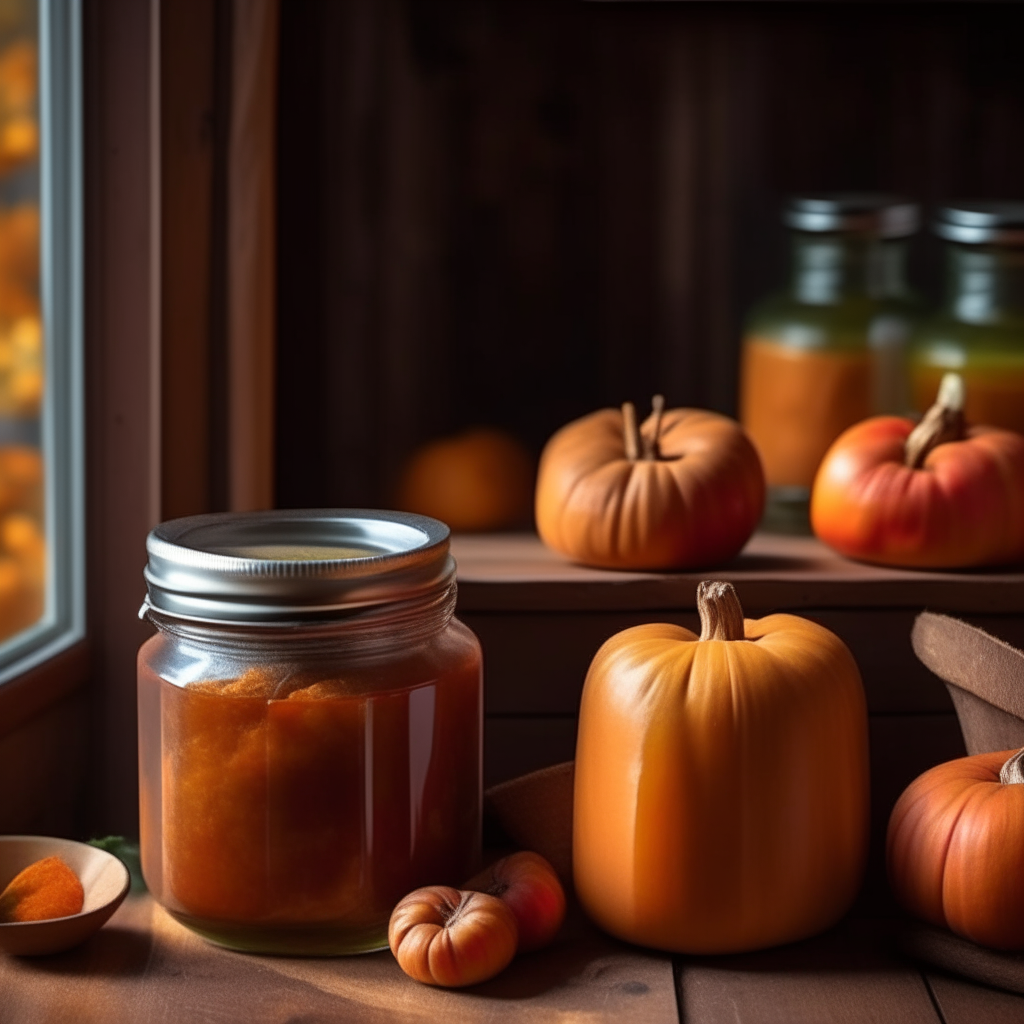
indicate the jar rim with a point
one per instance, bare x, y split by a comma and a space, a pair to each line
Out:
870, 213
977, 222
290, 565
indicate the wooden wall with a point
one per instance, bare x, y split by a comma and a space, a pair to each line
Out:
508, 212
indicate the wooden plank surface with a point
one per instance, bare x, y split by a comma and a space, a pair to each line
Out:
509, 572
144, 966
962, 1002
846, 976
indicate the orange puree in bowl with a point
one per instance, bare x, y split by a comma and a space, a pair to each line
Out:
795, 402
293, 805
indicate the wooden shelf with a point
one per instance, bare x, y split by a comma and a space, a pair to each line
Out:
516, 572
541, 619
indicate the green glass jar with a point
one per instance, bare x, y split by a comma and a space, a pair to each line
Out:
830, 349
979, 329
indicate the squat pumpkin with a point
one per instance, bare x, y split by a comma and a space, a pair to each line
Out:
685, 489
954, 848
940, 495
721, 793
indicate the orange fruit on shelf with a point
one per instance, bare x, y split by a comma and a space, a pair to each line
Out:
479, 480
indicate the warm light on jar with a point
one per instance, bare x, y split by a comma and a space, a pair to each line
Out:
309, 725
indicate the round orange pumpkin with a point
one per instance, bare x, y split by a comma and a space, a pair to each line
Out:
940, 495
478, 480
445, 936
954, 848
721, 787
685, 489
529, 887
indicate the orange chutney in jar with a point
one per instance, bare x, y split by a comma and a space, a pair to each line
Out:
286, 806
795, 402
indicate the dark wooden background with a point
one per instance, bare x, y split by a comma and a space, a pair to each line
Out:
515, 212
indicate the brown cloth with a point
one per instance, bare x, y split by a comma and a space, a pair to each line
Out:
984, 676
535, 812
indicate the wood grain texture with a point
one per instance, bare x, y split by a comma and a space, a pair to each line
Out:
962, 1002
521, 683
32, 693
44, 766
186, 196
517, 213
143, 966
251, 277
846, 976
123, 409
511, 572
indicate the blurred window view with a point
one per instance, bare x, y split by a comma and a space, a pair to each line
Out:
22, 365
41, 432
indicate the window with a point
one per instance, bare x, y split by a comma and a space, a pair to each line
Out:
41, 379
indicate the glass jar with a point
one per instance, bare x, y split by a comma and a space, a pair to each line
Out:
310, 725
829, 350
979, 329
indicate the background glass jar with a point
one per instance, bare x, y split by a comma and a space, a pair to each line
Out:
309, 726
830, 349
979, 329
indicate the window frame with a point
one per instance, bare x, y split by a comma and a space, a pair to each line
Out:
62, 418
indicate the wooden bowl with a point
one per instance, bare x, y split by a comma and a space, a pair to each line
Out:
984, 676
104, 878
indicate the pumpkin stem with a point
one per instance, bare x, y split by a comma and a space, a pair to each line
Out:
943, 422
630, 431
721, 615
651, 450
1012, 773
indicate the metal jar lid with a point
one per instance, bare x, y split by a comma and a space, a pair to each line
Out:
979, 222
289, 566
870, 213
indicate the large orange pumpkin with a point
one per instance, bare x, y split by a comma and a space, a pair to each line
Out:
956, 848
937, 496
721, 790
686, 489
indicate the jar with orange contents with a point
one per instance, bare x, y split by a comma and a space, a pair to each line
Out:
309, 725
978, 331
828, 350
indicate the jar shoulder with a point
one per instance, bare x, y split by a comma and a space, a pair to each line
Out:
182, 661
842, 326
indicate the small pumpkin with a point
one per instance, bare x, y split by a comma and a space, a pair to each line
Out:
450, 937
941, 495
721, 786
479, 480
954, 848
528, 885
684, 489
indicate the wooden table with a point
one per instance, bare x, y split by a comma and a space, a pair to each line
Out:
540, 621
144, 967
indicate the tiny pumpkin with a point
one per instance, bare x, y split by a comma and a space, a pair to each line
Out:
528, 885
449, 937
721, 786
940, 495
954, 848
481, 479
684, 489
